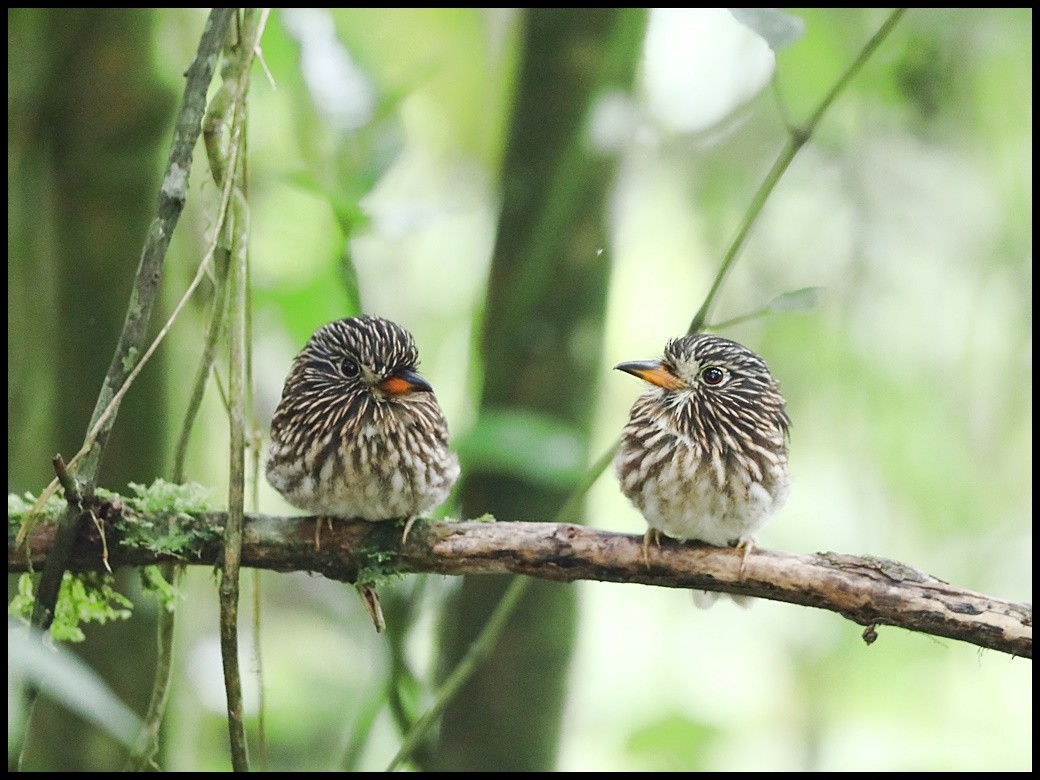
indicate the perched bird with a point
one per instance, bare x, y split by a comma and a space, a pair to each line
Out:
704, 454
358, 433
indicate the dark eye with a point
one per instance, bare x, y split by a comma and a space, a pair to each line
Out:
712, 375
348, 367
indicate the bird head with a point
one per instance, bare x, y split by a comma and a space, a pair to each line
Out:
711, 381
362, 354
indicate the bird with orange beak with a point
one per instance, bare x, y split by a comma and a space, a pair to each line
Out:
704, 454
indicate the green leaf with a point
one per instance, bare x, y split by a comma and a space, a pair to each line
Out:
804, 299
65, 679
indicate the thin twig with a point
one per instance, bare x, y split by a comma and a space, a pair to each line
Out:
476, 654
147, 743
172, 195
68, 482
211, 341
236, 78
107, 416
797, 138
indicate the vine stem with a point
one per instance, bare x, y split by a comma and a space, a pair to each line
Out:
796, 139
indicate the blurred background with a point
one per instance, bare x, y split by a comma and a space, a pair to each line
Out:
538, 194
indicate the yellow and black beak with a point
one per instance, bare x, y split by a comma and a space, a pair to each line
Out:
406, 381
653, 371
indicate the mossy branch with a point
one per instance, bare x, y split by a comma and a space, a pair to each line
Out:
867, 590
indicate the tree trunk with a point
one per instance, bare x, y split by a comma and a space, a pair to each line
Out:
541, 350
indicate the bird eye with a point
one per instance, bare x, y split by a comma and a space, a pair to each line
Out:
712, 375
349, 368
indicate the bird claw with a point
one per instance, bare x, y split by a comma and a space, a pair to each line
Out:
652, 536
317, 530
746, 546
407, 528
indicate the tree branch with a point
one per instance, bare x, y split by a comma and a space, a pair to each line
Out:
867, 590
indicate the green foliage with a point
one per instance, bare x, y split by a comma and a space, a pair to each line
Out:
163, 496
18, 506
167, 593
524, 444
170, 519
84, 598
672, 743
21, 605
89, 597
804, 299
65, 679
376, 566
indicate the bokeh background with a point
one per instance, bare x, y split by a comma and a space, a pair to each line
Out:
387, 153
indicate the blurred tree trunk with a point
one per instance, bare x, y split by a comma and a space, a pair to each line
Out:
87, 122
541, 349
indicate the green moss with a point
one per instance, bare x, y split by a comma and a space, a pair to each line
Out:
19, 506
376, 566
163, 496
84, 598
153, 581
164, 517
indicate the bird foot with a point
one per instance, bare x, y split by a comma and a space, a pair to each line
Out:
746, 546
370, 599
408, 527
317, 530
652, 536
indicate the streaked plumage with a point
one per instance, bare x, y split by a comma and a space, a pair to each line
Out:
704, 454
358, 433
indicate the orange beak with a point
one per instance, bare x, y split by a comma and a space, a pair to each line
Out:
653, 371
401, 382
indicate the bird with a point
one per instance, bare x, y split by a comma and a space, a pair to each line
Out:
704, 455
358, 433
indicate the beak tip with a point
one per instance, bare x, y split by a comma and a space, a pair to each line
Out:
652, 371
